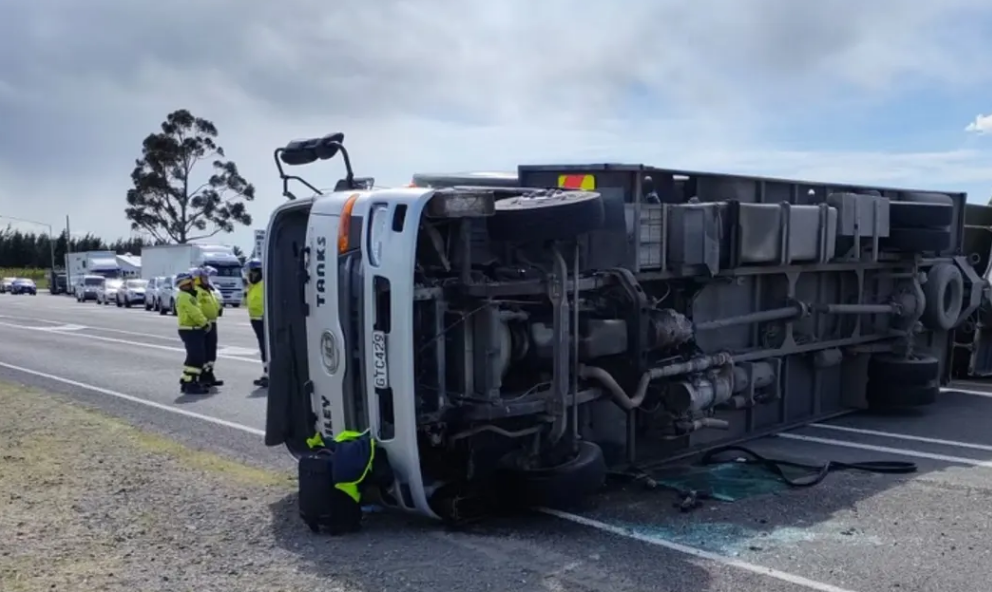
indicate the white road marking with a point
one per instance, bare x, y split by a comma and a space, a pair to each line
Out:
975, 393
126, 342
889, 450
588, 522
231, 350
58, 328
138, 400
897, 436
694, 552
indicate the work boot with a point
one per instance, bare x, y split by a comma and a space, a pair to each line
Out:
262, 382
209, 379
192, 388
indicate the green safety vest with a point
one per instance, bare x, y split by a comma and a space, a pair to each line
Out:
349, 487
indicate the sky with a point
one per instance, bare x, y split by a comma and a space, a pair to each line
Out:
891, 92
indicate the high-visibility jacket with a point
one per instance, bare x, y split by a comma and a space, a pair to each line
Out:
354, 453
188, 311
208, 303
256, 301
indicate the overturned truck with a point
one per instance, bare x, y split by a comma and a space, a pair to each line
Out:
527, 336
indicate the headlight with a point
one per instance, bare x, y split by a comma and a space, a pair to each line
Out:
378, 225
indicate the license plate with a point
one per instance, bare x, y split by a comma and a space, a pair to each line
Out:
380, 367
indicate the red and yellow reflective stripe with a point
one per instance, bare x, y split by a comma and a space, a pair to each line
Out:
583, 182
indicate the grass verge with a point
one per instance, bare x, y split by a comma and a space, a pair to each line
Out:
88, 502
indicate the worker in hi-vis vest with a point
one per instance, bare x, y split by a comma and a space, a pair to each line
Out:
192, 325
256, 314
211, 310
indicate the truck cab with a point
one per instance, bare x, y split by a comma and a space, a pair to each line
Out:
523, 338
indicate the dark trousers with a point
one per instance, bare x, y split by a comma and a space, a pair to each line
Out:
210, 346
196, 353
258, 326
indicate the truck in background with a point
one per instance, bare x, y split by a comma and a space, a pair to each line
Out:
78, 265
169, 260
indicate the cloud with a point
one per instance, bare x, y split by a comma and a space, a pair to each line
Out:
446, 85
982, 124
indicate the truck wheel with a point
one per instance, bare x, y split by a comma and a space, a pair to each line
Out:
556, 215
162, 311
944, 292
927, 240
895, 382
559, 486
920, 215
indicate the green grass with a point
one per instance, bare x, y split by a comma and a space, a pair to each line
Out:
38, 275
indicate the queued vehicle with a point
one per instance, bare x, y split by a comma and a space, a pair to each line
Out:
24, 286
58, 283
108, 291
87, 287
6, 283
151, 292
132, 292
167, 297
165, 302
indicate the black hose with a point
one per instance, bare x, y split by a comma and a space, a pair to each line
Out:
817, 472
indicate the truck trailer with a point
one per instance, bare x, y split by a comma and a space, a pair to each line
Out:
526, 338
169, 260
90, 263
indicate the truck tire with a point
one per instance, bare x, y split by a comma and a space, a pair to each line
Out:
560, 486
884, 397
927, 240
162, 311
557, 215
903, 371
904, 214
944, 292
895, 382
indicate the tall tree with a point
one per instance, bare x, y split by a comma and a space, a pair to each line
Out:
174, 199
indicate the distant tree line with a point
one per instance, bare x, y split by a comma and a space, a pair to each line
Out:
31, 250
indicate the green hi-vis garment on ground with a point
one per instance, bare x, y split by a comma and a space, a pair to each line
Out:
354, 453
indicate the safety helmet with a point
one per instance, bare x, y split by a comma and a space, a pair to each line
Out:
209, 271
195, 272
254, 265
183, 280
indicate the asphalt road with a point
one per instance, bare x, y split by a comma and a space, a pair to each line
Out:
853, 532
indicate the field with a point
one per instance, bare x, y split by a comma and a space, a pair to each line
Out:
38, 275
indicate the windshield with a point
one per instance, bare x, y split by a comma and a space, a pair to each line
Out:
137, 284
114, 283
228, 270
109, 273
93, 281
24, 281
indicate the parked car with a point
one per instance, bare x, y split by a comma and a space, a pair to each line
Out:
133, 292
88, 287
6, 283
24, 286
107, 291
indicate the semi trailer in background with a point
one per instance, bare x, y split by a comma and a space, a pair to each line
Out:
169, 260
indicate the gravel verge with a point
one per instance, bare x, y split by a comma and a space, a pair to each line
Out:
90, 503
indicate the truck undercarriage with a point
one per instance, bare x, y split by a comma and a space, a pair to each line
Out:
608, 316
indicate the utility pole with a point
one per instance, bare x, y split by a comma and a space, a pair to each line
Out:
68, 250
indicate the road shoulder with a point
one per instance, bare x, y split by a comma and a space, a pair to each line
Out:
88, 502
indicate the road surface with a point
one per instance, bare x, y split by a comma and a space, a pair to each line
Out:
853, 532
